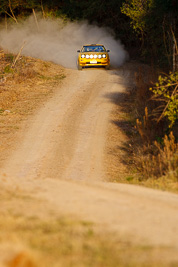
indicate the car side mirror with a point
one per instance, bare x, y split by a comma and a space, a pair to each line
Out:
78, 51
108, 50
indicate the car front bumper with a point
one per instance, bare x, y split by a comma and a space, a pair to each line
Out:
94, 63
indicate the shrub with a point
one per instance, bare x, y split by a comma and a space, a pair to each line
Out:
159, 159
166, 92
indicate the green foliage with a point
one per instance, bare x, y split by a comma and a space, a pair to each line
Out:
166, 91
8, 69
137, 11
154, 22
9, 57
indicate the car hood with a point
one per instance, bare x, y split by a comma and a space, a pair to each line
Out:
93, 53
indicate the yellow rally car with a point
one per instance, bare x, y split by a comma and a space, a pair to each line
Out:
93, 55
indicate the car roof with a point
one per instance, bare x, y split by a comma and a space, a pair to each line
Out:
93, 45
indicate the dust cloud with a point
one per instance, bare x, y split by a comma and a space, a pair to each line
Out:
58, 41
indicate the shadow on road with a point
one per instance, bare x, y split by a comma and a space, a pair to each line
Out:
122, 117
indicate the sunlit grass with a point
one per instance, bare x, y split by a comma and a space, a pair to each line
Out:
32, 239
66, 242
50, 240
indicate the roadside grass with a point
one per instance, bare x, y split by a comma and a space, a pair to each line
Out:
34, 235
156, 157
23, 88
29, 239
149, 158
56, 77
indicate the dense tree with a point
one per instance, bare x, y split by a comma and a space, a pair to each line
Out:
153, 22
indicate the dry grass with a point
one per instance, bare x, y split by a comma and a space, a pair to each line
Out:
154, 159
150, 158
23, 88
146, 123
32, 237
58, 242
158, 160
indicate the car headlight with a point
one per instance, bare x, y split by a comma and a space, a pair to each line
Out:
95, 56
91, 56
99, 56
82, 56
104, 55
87, 56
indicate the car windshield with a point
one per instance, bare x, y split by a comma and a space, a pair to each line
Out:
96, 48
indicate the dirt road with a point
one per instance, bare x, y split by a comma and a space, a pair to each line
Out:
61, 160
66, 138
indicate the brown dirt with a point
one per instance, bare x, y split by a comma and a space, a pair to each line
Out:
61, 158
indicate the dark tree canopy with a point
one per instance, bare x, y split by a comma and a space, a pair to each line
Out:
144, 26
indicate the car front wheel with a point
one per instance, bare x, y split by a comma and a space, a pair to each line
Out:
79, 66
